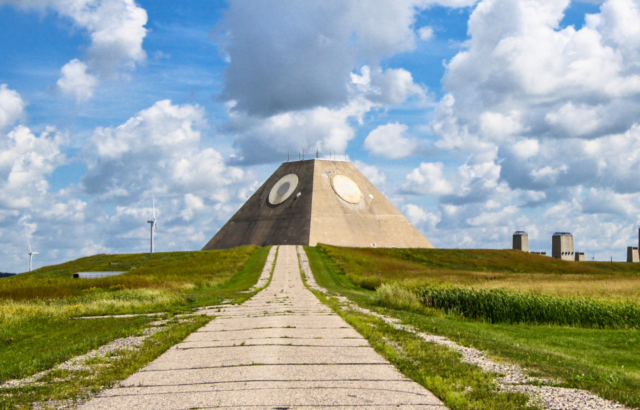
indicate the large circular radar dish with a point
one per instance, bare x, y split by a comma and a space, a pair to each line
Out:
346, 189
283, 189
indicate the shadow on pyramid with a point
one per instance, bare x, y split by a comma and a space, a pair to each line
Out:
318, 201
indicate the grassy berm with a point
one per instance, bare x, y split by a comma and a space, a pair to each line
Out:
39, 311
577, 322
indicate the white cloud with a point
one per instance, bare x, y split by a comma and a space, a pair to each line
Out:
116, 28
25, 162
561, 82
546, 117
575, 121
427, 179
497, 127
263, 140
11, 107
289, 55
424, 221
373, 173
158, 151
389, 141
425, 33
75, 81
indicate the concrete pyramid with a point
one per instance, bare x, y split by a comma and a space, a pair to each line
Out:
318, 201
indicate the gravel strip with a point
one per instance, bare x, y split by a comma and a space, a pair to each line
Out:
266, 271
514, 379
78, 363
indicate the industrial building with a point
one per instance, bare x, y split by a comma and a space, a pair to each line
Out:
580, 257
521, 241
562, 246
632, 254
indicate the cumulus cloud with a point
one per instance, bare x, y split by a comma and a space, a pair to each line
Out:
158, 150
11, 107
76, 82
425, 33
427, 179
116, 28
288, 55
263, 140
546, 116
373, 173
25, 162
301, 75
54, 222
389, 141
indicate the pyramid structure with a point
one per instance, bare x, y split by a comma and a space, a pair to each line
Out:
318, 201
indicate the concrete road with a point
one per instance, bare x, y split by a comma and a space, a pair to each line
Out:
282, 349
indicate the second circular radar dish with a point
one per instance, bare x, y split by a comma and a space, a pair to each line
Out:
346, 189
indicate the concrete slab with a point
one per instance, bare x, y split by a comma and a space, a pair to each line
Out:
283, 349
261, 355
283, 341
380, 372
264, 397
274, 332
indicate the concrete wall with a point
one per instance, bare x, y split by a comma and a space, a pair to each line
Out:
318, 215
258, 222
562, 247
580, 257
632, 254
521, 242
374, 222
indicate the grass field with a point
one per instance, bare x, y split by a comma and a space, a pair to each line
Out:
601, 360
488, 269
37, 330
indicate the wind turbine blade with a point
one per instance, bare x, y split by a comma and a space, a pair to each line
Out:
29, 246
154, 208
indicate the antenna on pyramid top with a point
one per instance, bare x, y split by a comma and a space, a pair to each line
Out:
316, 153
287, 155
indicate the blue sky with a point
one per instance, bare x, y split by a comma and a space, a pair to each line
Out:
476, 118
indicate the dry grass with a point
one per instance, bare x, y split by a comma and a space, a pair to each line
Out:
488, 269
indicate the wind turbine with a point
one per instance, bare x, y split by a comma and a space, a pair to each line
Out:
153, 224
31, 253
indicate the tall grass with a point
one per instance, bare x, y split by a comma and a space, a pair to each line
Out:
502, 306
14, 313
172, 270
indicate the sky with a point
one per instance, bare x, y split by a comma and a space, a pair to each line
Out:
475, 118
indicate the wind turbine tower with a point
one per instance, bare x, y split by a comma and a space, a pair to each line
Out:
152, 225
31, 253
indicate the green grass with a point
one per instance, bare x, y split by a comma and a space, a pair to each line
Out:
402, 261
42, 344
60, 386
515, 271
603, 361
37, 329
459, 385
590, 359
173, 270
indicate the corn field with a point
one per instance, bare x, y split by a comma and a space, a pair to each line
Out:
501, 306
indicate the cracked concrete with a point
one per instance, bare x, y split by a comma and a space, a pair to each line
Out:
282, 349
